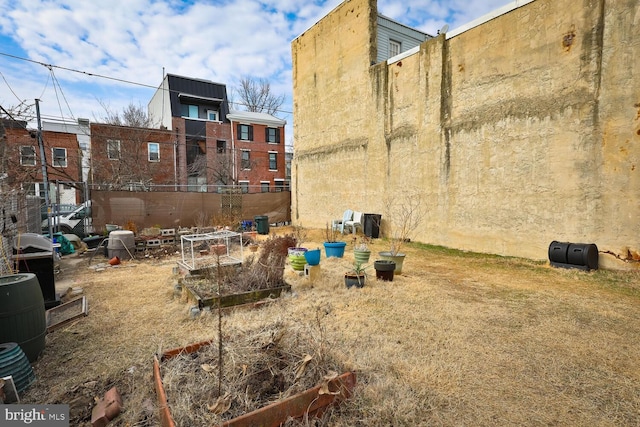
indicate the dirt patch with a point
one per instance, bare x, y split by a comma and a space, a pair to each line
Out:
457, 339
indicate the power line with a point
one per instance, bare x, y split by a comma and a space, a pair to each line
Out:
73, 70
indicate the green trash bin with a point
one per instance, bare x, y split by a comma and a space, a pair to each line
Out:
262, 224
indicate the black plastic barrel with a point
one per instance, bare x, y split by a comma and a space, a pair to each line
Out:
262, 224
558, 252
585, 254
22, 313
371, 225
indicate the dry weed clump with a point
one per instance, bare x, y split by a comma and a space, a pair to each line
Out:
261, 364
253, 274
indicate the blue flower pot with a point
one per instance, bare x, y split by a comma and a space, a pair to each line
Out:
335, 249
312, 256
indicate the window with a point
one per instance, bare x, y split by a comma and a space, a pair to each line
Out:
113, 149
279, 185
244, 186
245, 132
264, 186
212, 115
272, 135
245, 161
154, 151
28, 155
197, 183
59, 157
394, 48
273, 161
221, 146
190, 111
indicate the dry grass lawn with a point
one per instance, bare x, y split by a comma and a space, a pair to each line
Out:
458, 339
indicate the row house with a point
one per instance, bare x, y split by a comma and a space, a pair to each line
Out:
22, 162
217, 147
133, 159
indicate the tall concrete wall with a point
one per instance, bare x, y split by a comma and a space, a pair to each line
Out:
515, 133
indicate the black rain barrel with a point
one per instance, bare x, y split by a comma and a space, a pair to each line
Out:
558, 252
585, 254
262, 224
22, 313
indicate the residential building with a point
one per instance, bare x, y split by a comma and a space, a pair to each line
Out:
395, 38
217, 148
129, 158
23, 165
81, 129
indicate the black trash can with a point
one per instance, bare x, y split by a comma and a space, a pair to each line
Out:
371, 225
262, 224
33, 253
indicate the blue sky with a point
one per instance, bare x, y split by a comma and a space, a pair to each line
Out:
122, 47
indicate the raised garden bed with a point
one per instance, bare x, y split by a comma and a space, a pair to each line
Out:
311, 402
231, 300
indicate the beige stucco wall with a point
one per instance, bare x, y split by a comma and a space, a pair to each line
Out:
518, 132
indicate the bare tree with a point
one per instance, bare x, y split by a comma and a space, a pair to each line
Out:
131, 115
255, 95
125, 136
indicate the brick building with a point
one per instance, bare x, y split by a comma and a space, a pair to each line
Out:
22, 162
129, 158
218, 147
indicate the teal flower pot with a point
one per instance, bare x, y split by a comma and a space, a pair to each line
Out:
335, 249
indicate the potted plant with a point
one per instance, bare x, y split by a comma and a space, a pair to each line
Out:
332, 247
361, 251
296, 253
404, 215
384, 269
356, 276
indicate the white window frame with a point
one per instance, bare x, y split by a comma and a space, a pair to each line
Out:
150, 152
394, 45
113, 143
215, 113
279, 184
54, 159
23, 157
276, 160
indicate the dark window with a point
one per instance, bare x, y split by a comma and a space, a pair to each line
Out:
264, 186
245, 132
272, 135
273, 161
246, 161
221, 146
113, 149
60, 157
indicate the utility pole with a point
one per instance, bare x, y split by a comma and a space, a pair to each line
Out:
45, 178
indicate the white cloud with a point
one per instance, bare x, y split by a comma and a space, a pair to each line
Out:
134, 40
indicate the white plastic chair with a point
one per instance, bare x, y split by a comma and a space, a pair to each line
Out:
338, 224
355, 222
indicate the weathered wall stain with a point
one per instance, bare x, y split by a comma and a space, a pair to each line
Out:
517, 132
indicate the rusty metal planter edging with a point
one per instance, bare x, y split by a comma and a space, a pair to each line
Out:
309, 402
